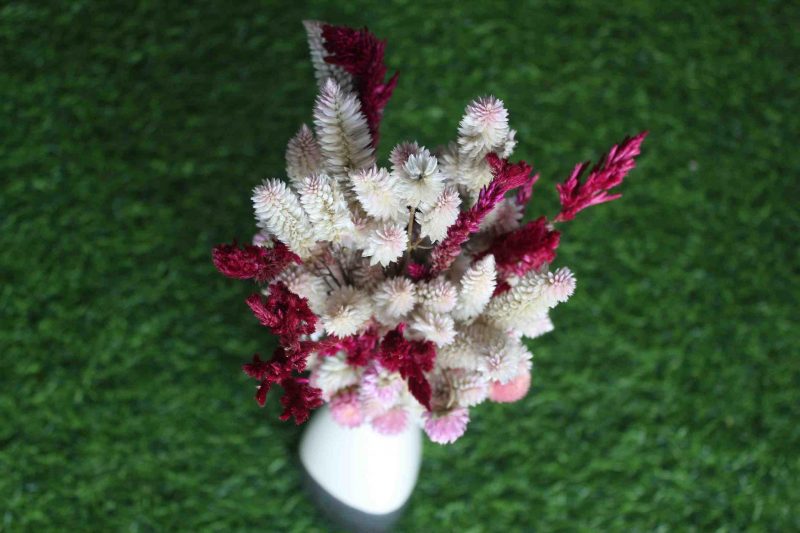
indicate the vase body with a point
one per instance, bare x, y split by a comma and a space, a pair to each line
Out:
360, 478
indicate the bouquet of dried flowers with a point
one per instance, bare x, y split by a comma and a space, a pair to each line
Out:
402, 294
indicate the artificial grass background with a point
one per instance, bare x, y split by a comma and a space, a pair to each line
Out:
667, 397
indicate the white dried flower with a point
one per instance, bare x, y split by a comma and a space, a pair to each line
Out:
558, 286
469, 387
278, 211
477, 287
348, 309
502, 361
530, 298
442, 214
342, 131
333, 374
386, 243
322, 69
437, 295
378, 193
303, 157
483, 128
537, 327
420, 181
326, 207
435, 327
303, 283
394, 298
509, 144
449, 163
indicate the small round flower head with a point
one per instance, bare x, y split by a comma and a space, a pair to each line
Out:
483, 127
470, 387
394, 298
501, 362
400, 154
437, 328
378, 193
386, 243
421, 182
333, 374
348, 309
438, 295
346, 409
514, 390
380, 386
391, 422
558, 286
446, 426
442, 214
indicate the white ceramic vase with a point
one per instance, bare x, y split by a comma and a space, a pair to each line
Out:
360, 478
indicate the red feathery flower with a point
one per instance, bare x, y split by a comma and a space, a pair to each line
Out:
286, 313
525, 248
360, 53
507, 176
411, 359
526, 190
251, 262
360, 349
298, 399
606, 174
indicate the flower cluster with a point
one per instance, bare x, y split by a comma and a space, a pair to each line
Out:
401, 294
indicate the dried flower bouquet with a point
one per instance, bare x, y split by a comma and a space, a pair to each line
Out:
402, 294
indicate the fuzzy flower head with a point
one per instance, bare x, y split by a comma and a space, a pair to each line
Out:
435, 222
501, 362
438, 295
447, 426
435, 327
514, 390
346, 409
348, 310
378, 193
333, 374
386, 243
380, 386
401, 153
421, 182
558, 286
484, 127
394, 298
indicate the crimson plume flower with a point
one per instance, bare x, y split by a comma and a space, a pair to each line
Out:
525, 248
606, 174
507, 176
360, 53
411, 358
298, 399
286, 313
252, 262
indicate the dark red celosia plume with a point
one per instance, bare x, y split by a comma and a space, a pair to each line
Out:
411, 358
289, 317
525, 248
252, 262
299, 399
286, 313
507, 176
360, 53
606, 174
359, 348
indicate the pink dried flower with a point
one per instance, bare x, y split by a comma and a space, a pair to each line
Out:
446, 427
606, 174
391, 422
380, 386
346, 409
514, 390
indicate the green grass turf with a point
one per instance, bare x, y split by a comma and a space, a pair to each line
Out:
668, 396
